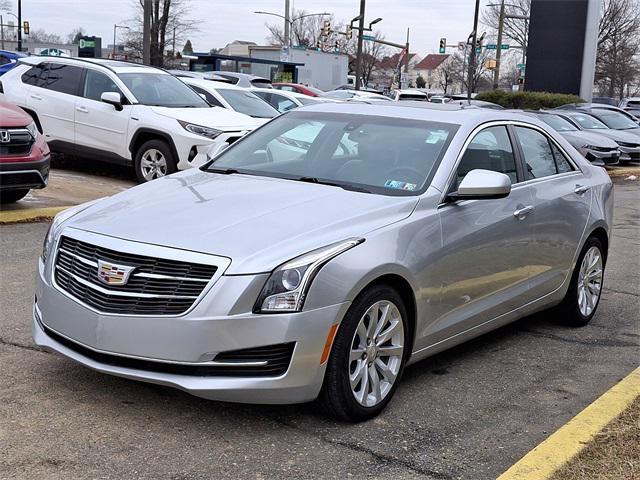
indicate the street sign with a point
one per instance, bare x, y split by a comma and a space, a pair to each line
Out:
504, 46
368, 37
479, 50
521, 66
462, 46
492, 46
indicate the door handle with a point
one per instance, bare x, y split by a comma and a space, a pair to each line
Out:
521, 213
82, 109
35, 97
581, 189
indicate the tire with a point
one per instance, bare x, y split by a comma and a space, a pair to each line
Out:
581, 301
154, 159
338, 397
12, 196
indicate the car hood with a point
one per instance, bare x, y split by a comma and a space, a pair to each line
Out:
213, 117
580, 138
617, 135
257, 222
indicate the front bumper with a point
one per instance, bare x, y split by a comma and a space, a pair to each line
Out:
192, 149
192, 338
607, 158
19, 175
628, 154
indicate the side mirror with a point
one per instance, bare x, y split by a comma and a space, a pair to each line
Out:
112, 98
482, 184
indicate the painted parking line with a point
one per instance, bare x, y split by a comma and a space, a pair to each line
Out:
30, 214
541, 462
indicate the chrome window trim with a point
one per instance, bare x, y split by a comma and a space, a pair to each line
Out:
137, 248
503, 123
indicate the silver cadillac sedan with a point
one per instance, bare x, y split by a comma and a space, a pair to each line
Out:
323, 253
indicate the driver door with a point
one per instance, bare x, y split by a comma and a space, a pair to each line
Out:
486, 251
99, 126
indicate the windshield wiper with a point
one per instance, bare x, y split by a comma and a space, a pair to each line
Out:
224, 171
344, 186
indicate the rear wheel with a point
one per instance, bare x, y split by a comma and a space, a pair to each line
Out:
367, 357
582, 299
154, 159
12, 196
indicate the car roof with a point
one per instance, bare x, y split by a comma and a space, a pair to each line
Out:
411, 91
446, 113
116, 66
280, 92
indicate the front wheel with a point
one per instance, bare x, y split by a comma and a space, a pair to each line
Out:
154, 159
368, 356
582, 299
12, 196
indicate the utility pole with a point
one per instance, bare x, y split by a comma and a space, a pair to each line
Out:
496, 72
1, 33
173, 45
360, 40
146, 32
287, 23
472, 59
406, 58
19, 25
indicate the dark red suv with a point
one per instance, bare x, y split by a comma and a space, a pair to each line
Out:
24, 154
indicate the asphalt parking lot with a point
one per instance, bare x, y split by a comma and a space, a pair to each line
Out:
468, 413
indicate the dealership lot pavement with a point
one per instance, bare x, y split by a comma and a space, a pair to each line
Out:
467, 413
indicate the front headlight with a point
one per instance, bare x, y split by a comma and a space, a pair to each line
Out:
58, 220
200, 130
287, 287
33, 129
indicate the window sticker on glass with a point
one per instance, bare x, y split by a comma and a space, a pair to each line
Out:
437, 136
400, 185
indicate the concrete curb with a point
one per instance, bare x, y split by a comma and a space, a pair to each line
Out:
624, 171
545, 459
30, 215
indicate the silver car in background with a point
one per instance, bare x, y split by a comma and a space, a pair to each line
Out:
324, 252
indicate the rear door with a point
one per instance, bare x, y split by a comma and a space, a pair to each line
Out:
485, 258
53, 98
561, 201
99, 125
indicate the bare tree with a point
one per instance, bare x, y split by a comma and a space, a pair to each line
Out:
41, 36
618, 65
76, 33
514, 29
168, 17
306, 31
449, 72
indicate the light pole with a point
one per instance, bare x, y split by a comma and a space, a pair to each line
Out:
2, 27
472, 59
289, 22
19, 25
113, 54
503, 17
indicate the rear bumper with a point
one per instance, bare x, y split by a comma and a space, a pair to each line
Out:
20, 175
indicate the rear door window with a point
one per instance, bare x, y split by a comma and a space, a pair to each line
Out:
36, 75
539, 158
63, 78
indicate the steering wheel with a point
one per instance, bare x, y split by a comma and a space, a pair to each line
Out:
402, 173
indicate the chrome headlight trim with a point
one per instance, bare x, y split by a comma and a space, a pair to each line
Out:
286, 289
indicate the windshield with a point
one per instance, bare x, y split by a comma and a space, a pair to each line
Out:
587, 121
559, 124
375, 154
247, 103
161, 89
616, 120
304, 100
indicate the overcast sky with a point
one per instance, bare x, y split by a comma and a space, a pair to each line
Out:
223, 21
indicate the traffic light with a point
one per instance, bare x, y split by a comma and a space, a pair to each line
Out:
25, 27
319, 45
336, 46
443, 45
349, 33
326, 28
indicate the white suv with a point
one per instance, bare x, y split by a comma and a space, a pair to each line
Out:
121, 112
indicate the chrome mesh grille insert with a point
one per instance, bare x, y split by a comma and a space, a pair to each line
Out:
155, 287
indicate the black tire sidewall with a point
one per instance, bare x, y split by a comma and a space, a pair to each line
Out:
337, 394
12, 196
571, 314
163, 147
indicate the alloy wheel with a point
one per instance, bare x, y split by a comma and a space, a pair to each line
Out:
153, 164
590, 281
376, 353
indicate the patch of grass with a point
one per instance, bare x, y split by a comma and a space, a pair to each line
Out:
614, 454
